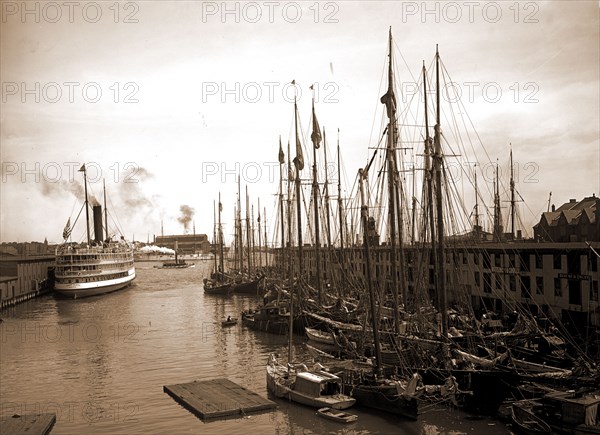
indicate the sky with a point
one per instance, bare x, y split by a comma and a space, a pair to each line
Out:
168, 102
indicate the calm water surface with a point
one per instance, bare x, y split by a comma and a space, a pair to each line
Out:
100, 364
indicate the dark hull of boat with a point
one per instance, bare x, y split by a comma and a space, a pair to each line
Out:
485, 389
175, 266
224, 289
528, 423
384, 398
273, 324
247, 288
228, 322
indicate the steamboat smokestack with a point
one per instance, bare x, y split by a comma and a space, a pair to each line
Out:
98, 236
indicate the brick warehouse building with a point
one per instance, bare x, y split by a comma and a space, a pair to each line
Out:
186, 243
574, 221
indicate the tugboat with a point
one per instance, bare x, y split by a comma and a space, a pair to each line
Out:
177, 264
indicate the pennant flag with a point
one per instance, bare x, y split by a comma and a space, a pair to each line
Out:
290, 170
299, 159
281, 155
82, 169
316, 133
67, 230
220, 207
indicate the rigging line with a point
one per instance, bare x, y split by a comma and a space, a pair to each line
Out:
377, 103
462, 107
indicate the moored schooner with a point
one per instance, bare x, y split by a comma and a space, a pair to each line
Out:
218, 284
313, 387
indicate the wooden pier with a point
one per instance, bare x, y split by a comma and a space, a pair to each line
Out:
217, 398
30, 424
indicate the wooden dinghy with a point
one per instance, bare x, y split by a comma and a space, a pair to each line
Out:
229, 322
320, 336
337, 415
527, 422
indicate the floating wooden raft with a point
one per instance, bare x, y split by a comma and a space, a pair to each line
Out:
30, 424
217, 398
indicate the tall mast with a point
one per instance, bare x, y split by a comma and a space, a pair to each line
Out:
414, 208
215, 237
87, 212
106, 209
299, 163
253, 237
429, 182
389, 100
239, 228
259, 237
439, 212
316, 139
248, 233
281, 157
327, 210
266, 242
220, 236
289, 214
364, 214
340, 200
512, 195
477, 226
497, 212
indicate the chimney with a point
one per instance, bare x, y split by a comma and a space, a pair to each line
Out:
572, 200
98, 236
553, 208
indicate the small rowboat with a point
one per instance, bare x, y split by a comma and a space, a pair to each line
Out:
337, 415
527, 422
320, 336
229, 322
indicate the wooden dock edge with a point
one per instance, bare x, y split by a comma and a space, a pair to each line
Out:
186, 399
30, 424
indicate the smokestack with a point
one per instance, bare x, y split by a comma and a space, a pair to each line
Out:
98, 236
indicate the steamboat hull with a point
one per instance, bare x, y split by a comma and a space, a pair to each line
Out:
82, 290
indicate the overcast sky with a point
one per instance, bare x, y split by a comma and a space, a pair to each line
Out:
167, 101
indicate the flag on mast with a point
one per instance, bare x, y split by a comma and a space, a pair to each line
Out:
281, 154
316, 133
299, 159
67, 230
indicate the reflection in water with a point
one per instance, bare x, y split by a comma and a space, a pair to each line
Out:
100, 364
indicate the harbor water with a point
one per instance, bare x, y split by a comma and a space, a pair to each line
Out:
101, 363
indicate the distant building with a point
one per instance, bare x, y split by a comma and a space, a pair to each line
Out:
27, 248
186, 243
574, 221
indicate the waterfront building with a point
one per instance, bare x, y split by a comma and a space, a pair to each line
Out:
22, 278
574, 221
186, 243
555, 280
